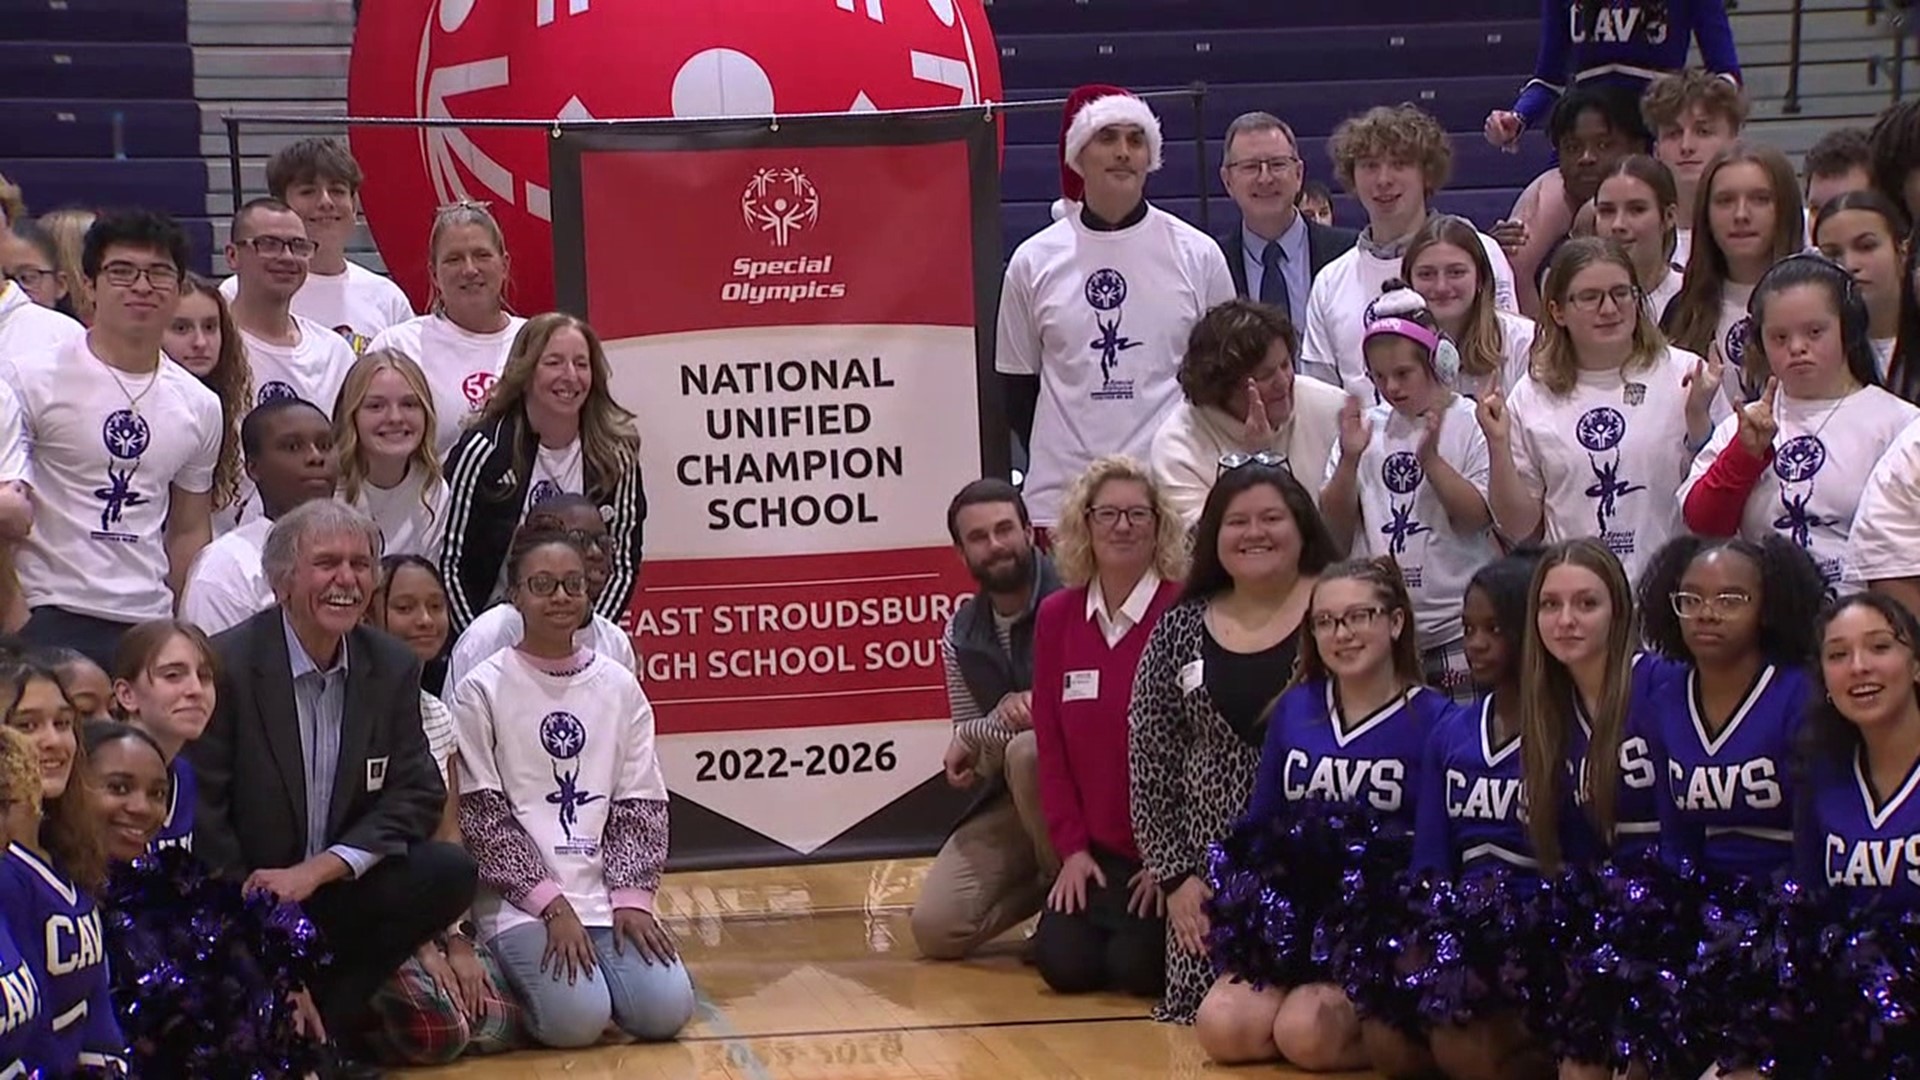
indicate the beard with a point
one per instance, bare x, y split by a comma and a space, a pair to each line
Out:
1009, 574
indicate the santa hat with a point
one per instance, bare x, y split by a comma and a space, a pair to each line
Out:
1089, 109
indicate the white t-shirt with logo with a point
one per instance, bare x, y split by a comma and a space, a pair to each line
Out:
103, 476
501, 627
1884, 544
460, 367
562, 749
1336, 323
1517, 330
228, 585
27, 328
1731, 333
313, 369
1102, 318
412, 520
1822, 456
356, 304
1608, 457
1682, 246
1401, 514
1662, 294
556, 471
1883, 355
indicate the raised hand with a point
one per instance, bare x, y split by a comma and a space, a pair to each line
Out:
1708, 374
1758, 425
1503, 129
1491, 411
1259, 428
1355, 432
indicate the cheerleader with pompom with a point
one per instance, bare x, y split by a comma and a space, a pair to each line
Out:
1335, 791
1732, 616
1858, 836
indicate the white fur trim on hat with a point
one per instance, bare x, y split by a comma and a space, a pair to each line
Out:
1101, 112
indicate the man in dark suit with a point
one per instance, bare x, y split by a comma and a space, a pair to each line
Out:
1275, 252
315, 780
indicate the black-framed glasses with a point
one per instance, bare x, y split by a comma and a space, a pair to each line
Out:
1108, 516
1256, 166
1266, 458
31, 276
1590, 299
271, 246
546, 584
124, 274
1689, 605
1357, 620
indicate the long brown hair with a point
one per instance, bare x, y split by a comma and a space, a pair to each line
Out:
1390, 588
1694, 315
1555, 363
231, 380
346, 426
1666, 194
140, 646
1482, 343
69, 824
1547, 697
609, 441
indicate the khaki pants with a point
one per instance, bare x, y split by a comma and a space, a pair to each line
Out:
996, 868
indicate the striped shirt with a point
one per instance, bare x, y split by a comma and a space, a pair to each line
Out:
978, 730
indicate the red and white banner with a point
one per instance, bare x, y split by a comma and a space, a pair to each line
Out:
795, 315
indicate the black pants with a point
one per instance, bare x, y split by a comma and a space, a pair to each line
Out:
373, 924
97, 638
1102, 946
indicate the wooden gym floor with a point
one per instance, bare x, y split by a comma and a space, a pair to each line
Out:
809, 973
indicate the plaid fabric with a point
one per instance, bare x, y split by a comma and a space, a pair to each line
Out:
414, 1024
1446, 670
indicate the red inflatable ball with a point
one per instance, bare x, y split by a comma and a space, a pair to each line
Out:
547, 59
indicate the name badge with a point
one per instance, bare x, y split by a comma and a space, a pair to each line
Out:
1082, 685
1191, 675
376, 773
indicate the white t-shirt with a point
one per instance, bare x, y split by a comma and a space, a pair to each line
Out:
356, 304
1662, 294
26, 327
16, 465
103, 476
1607, 457
312, 370
1731, 330
1187, 448
1401, 514
1336, 324
1883, 355
562, 749
460, 367
1884, 543
409, 524
1682, 246
1518, 332
1824, 452
500, 627
227, 585
1102, 318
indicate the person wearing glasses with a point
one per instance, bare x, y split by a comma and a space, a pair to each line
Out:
32, 260
1277, 249
291, 356
1595, 440
500, 626
1243, 396
123, 447
1121, 552
1796, 462
563, 802
1734, 618
30, 291
1212, 667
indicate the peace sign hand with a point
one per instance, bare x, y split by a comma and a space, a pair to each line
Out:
1709, 372
1758, 426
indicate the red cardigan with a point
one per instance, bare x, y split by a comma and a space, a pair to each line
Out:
1083, 743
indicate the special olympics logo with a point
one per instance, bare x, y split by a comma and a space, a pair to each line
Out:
781, 202
1601, 429
544, 491
275, 391
1735, 346
562, 735
1106, 290
1799, 459
477, 386
1401, 472
126, 434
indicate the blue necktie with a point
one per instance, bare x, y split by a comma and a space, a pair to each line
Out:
1273, 282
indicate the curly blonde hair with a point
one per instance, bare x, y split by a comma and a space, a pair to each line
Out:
1073, 540
1403, 132
19, 773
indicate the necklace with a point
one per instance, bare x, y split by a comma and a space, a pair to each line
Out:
133, 399
1833, 410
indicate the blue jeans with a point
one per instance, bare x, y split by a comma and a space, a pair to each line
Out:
649, 1001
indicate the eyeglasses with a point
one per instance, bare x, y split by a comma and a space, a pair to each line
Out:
270, 246
545, 584
1590, 299
123, 274
1256, 166
1692, 605
585, 539
31, 276
1266, 458
1357, 620
1109, 516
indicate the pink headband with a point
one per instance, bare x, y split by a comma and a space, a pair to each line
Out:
1406, 328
